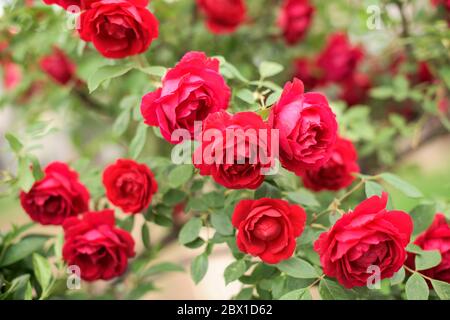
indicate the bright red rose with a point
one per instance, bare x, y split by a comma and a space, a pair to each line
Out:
339, 59
336, 173
58, 66
436, 237
267, 228
119, 28
65, 3
368, 236
96, 246
223, 16
308, 72
190, 91
307, 128
355, 90
129, 185
58, 196
235, 149
12, 75
294, 19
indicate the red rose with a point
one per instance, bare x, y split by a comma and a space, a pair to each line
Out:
368, 236
223, 16
129, 185
232, 155
118, 28
339, 59
308, 72
190, 91
58, 66
436, 237
267, 228
96, 246
337, 172
65, 3
12, 75
307, 127
355, 90
294, 19
58, 196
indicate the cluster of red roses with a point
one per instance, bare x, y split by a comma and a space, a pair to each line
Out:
92, 242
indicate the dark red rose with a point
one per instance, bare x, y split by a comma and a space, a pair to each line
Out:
118, 28
337, 172
235, 149
58, 196
190, 92
58, 66
96, 246
129, 185
444, 3
294, 19
368, 236
307, 128
267, 228
423, 74
12, 75
223, 16
308, 72
339, 59
355, 90
436, 237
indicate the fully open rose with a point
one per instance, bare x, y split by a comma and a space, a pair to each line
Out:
267, 228
190, 91
96, 246
56, 197
368, 236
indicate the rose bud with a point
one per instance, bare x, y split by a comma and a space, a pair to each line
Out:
268, 228
58, 196
58, 66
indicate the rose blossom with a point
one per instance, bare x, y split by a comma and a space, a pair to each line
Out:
96, 246
129, 185
267, 228
294, 19
190, 91
223, 16
118, 28
337, 172
436, 237
12, 75
369, 236
307, 127
58, 66
58, 196
355, 90
244, 136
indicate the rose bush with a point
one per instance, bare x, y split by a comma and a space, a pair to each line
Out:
287, 136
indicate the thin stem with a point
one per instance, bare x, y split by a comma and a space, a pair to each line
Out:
415, 271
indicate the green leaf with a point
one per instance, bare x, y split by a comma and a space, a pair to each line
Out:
373, 189
330, 290
381, 93
417, 288
199, 267
174, 197
180, 175
428, 259
246, 95
266, 190
222, 223
43, 272
25, 172
138, 142
105, 73
15, 286
423, 216
398, 277
268, 69
14, 142
303, 197
145, 234
161, 268
300, 294
273, 98
127, 223
244, 294
22, 249
442, 289
297, 268
121, 123
234, 271
154, 71
189, 232
403, 186
140, 291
